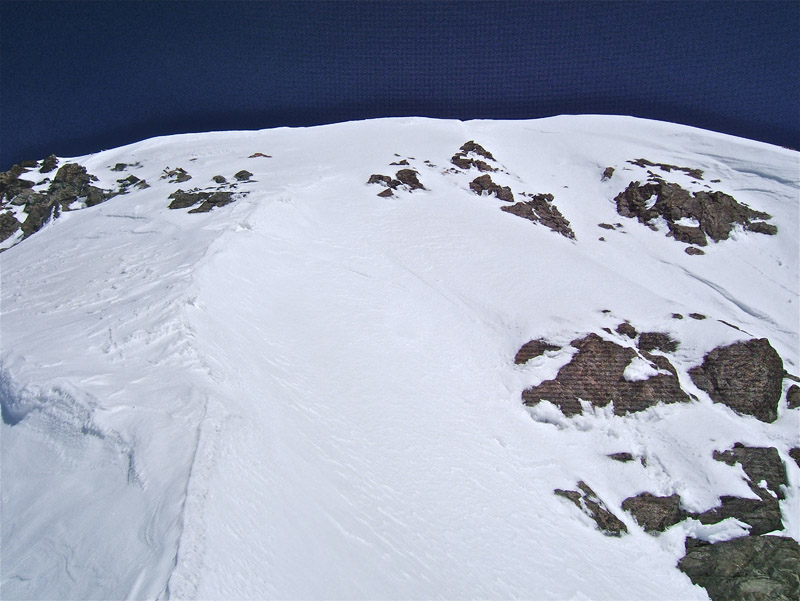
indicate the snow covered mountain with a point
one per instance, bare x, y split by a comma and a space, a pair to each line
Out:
403, 359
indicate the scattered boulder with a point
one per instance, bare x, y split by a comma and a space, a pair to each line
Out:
409, 178
532, 349
627, 329
655, 514
657, 341
590, 504
398, 163
484, 183
697, 316
692, 250
596, 375
243, 175
793, 396
751, 568
387, 193
176, 176
384, 180
677, 316
762, 227
118, 167
606, 226
259, 154
795, 454
623, 457
607, 173
219, 179
540, 208
745, 376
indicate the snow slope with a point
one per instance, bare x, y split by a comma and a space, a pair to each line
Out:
311, 394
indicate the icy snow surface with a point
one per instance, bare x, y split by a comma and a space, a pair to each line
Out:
311, 394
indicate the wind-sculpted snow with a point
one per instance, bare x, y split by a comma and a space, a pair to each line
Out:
313, 390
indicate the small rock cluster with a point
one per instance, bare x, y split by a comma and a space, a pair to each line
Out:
204, 201
463, 160
406, 179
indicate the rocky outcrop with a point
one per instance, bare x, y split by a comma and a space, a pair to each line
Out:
484, 183
745, 376
691, 218
766, 476
176, 176
8, 225
596, 375
462, 160
49, 164
409, 178
795, 454
534, 348
761, 464
655, 514
752, 568
627, 329
590, 504
540, 209
207, 200
695, 173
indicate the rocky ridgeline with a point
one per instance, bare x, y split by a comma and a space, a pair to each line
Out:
540, 208
747, 377
24, 211
691, 217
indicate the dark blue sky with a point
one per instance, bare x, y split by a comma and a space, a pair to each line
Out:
77, 77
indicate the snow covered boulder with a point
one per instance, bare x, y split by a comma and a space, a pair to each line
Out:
745, 376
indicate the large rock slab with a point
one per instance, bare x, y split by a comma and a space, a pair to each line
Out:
745, 376
596, 375
752, 568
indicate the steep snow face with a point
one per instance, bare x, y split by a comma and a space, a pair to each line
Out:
311, 391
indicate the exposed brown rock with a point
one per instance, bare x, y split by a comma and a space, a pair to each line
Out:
176, 176
691, 250
760, 464
697, 316
532, 349
652, 341
8, 225
607, 173
745, 376
795, 454
49, 164
716, 213
627, 329
540, 208
595, 375
409, 178
590, 504
484, 183
622, 457
793, 396
243, 175
655, 514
